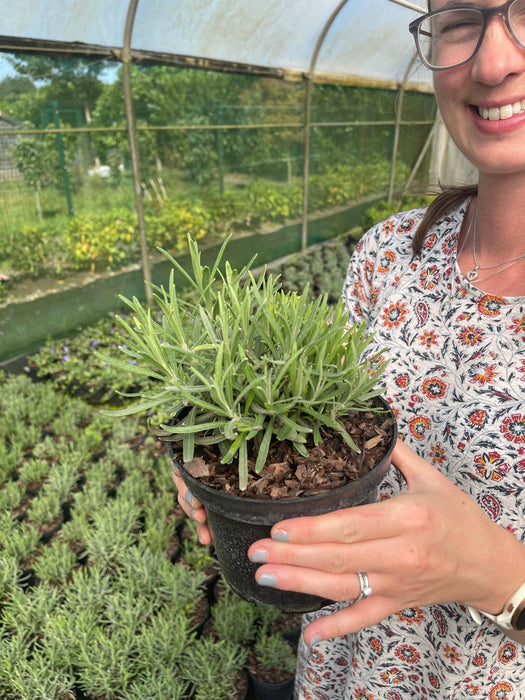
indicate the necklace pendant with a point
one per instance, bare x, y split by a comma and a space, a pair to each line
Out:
472, 274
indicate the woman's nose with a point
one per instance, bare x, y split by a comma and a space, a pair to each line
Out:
499, 55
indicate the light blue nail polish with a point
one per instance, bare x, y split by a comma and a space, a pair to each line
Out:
280, 536
315, 641
192, 513
259, 556
188, 497
269, 580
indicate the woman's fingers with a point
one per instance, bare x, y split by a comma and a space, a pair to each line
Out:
359, 614
204, 533
418, 472
338, 587
349, 620
335, 558
375, 520
186, 499
347, 525
192, 507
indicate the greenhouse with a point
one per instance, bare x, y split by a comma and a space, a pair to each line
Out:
125, 128
245, 136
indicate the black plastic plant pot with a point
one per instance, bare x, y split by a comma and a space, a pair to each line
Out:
272, 691
237, 522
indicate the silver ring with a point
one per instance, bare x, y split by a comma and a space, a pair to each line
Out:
364, 585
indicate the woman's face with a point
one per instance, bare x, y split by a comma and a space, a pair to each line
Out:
483, 101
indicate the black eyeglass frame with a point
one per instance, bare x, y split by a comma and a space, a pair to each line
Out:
485, 12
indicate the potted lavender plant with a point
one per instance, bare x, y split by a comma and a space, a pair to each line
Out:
270, 404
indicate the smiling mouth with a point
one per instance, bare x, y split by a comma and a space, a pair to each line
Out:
494, 114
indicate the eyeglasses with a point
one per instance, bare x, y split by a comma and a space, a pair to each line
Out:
451, 36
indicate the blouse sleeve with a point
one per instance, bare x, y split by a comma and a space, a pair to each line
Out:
357, 287
379, 260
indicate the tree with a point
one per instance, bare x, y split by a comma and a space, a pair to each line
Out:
35, 158
74, 84
62, 78
12, 87
165, 95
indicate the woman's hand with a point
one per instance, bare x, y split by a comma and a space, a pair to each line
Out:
431, 544
192, 507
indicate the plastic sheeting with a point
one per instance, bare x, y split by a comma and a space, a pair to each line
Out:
368, 41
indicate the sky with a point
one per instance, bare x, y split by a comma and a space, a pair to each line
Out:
7, 71
5, 68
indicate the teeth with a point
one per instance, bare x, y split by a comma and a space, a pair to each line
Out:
496, 113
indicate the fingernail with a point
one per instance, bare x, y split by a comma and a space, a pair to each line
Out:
280, 536
259, 556
173, 468
315, 641
267, 580
192, 513
188, 497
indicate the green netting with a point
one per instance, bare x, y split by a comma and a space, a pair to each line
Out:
219, 154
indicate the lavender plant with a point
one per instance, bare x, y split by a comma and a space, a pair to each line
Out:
235, 619
248, 362
21, 542
10, 496
211, 666
273, 652
55, 563
33, 471
39, 677
10, 457
9, 575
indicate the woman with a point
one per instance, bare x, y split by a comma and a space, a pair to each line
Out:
444, 292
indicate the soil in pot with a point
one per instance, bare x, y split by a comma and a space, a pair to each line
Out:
241, 686
288, 474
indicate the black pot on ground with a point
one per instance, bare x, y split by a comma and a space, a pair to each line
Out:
263, 690
236, 522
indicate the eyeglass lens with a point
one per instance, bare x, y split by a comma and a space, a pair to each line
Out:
451, 37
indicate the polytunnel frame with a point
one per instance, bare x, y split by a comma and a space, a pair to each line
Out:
127, 56
308, 113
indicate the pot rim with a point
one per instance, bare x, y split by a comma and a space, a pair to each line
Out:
233, 498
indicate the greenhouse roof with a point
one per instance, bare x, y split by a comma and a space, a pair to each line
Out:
357, 41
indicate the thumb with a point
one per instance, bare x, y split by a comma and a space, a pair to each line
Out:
415, 469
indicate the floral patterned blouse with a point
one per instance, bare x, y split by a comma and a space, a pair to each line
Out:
456, 381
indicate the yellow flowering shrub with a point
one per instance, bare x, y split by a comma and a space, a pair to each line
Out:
101, 241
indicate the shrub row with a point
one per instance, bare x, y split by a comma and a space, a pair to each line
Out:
110, 240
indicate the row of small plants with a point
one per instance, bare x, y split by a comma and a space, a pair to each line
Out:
73, 366
110, 240
105, 592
